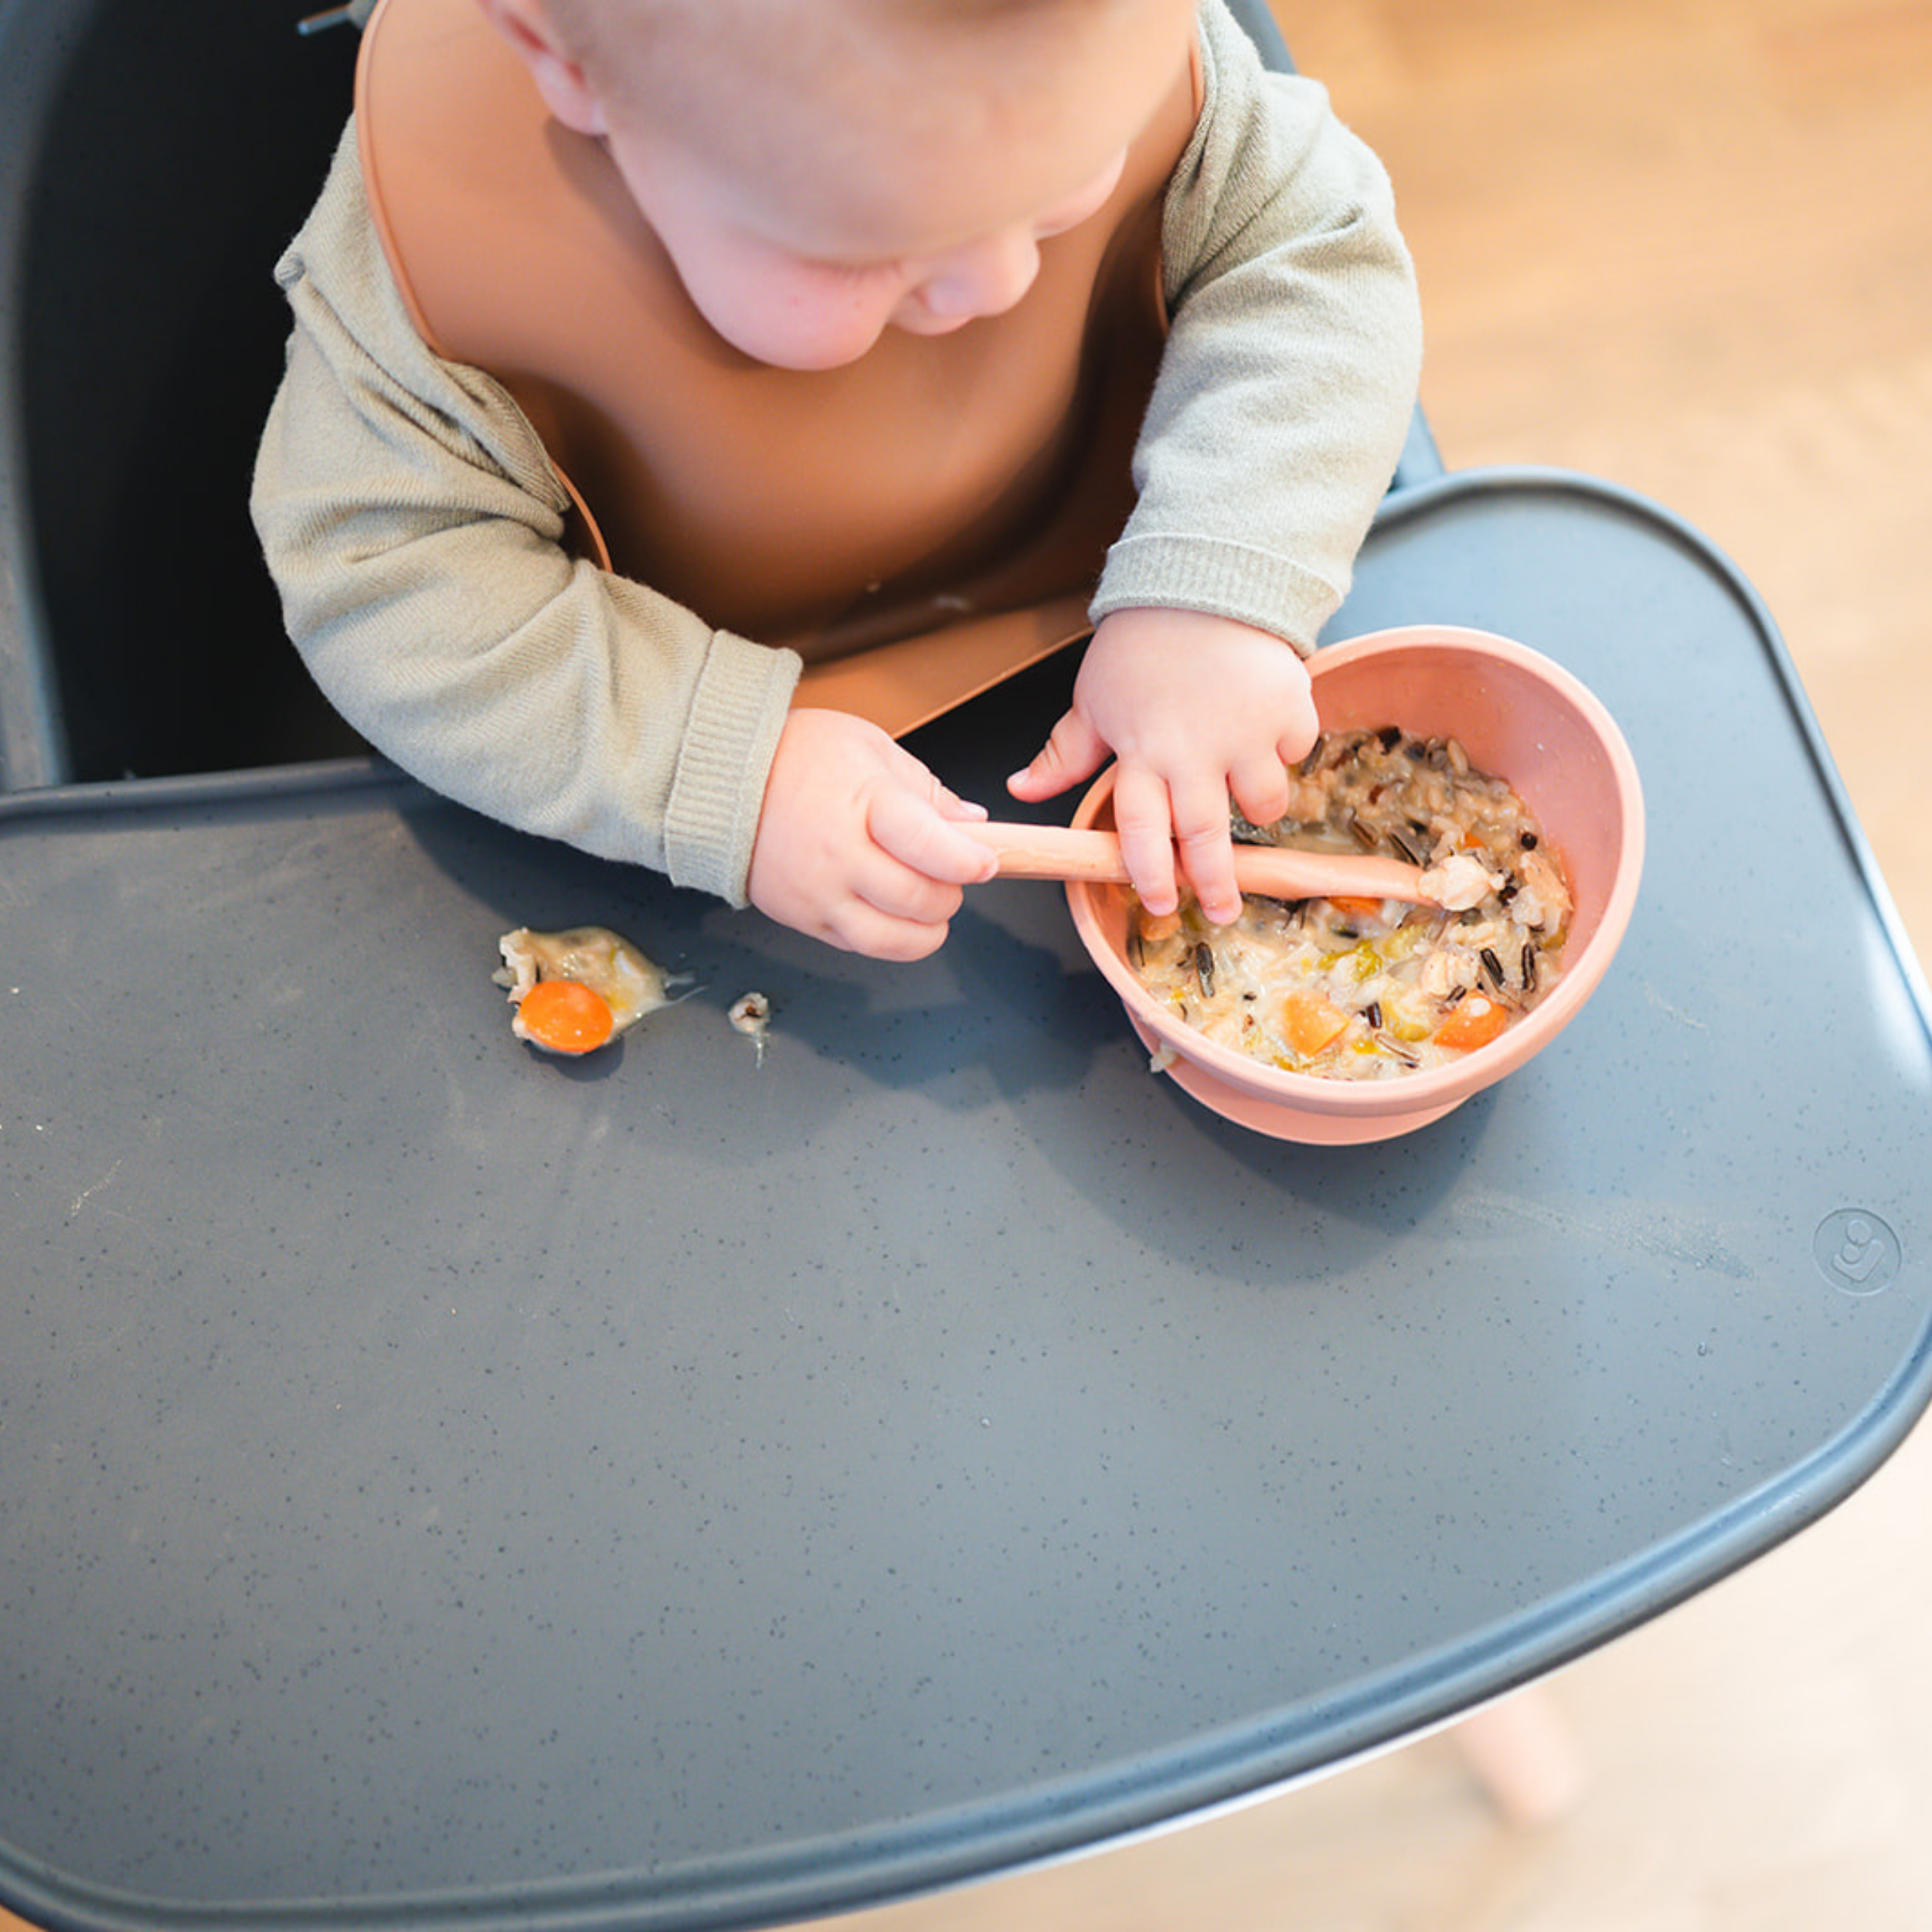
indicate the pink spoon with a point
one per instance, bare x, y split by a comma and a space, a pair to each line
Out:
1272, 871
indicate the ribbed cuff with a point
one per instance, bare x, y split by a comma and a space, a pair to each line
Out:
1223, 579
712, 820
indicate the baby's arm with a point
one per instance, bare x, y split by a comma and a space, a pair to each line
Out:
412, 522
1282, 407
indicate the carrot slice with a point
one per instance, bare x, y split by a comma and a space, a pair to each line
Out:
563, 1016
1474, 1023
1309, 1022
1355, 908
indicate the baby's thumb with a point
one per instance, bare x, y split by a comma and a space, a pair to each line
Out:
1074, 751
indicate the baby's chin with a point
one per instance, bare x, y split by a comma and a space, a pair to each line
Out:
920, 322
808, 353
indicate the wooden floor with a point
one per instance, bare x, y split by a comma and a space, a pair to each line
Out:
1686, 245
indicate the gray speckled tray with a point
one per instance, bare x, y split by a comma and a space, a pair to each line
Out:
440, 1488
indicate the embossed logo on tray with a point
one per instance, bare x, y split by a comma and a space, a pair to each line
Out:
1856, 1252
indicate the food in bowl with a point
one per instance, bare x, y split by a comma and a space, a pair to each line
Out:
1516, 712
1359, 989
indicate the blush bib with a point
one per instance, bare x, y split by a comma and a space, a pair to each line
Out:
917, 524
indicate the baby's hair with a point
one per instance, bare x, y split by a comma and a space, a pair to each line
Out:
773, 15
682, 67
679, 30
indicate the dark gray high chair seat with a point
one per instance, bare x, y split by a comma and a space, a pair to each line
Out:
706, 1487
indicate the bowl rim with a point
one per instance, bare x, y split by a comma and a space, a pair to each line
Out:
1431, 1092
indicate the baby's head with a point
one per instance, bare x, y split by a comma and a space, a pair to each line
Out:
820, 171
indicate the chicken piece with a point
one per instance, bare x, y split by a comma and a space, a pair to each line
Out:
1459, 882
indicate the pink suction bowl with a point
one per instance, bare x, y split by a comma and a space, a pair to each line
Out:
1519, 716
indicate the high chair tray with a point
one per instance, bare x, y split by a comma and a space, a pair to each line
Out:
713, 1484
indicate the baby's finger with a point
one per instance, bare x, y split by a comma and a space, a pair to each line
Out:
1260, 788
1142, 818
896, 891
1298, 739
858, 926
1073, 751
912, 828
946, 802
966, 812
1206, 841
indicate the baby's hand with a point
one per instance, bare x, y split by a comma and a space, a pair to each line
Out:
1196, 710
859, 844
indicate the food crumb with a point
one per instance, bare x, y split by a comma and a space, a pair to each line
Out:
751, 1015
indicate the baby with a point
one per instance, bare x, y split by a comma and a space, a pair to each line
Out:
832, 189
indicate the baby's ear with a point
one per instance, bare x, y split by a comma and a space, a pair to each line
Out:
559, 76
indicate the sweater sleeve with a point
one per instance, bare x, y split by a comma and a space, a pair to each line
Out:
413, 524
1290, 371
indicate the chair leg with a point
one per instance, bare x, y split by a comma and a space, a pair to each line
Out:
1524, 1755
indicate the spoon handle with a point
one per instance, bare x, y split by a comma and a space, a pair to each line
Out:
1054, 851
1275, 872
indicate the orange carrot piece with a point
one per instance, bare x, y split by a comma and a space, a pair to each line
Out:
1474, 1023
566, 1017
1310, 1022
